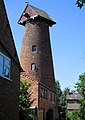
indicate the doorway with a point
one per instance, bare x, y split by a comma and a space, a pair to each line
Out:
49, 114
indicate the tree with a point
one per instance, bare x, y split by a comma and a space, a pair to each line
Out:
80, 87
73, 115
59, 91
24, 100
61, 100
67, 91
80, 3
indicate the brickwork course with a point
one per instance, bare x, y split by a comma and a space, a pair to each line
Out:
36, 33
9, 89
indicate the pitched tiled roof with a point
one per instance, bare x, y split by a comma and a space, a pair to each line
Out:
71, 106
72, 96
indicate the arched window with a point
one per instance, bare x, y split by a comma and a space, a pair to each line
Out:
33, 67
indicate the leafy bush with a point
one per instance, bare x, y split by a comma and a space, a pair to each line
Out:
24, 101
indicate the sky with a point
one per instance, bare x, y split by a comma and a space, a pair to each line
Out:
67, 36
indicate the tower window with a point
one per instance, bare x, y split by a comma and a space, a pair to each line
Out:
33, 67
30, 11
34, 48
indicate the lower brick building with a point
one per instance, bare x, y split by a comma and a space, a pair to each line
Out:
36, 61
44, 99
9, 64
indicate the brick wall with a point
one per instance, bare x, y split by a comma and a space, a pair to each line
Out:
33, 88
5, 32
9, 92
9, 89
37, 33
48, 101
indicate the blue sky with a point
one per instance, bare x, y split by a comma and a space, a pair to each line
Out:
67, 36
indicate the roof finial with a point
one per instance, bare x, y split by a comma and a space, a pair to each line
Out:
27, 3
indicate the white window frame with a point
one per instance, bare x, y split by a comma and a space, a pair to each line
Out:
5, 66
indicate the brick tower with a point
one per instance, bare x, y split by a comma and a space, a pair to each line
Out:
36, 60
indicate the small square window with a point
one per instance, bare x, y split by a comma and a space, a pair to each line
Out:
34, 48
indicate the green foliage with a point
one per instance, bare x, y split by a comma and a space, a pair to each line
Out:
80, 3
59, 91
82, 110
61, 100
73, 115
24, 97
80, 87
24, 100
